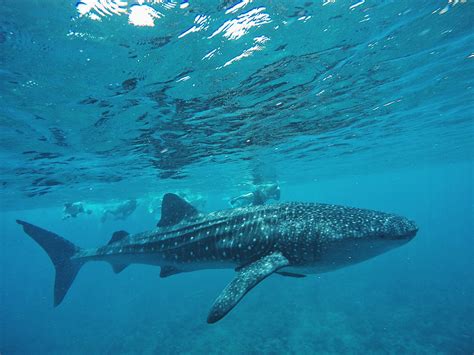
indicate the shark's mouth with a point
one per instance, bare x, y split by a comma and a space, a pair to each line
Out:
409, 235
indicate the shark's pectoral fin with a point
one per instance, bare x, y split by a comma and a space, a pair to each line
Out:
247, 277
290, 274
168, 271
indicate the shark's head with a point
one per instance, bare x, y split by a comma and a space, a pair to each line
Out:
350, 235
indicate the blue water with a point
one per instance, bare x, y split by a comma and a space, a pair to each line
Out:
366, 104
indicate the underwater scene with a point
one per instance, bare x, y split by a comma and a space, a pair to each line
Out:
236, 177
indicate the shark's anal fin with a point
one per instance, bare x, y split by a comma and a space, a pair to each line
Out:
247, 277
174, 209
118, 268
290, 274
168, 271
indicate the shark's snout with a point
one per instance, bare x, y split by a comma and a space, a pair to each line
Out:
408, 230
400, 228
412, 229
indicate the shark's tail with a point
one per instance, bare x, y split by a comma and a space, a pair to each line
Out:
60, 252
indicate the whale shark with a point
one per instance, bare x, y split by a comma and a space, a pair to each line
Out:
287, 239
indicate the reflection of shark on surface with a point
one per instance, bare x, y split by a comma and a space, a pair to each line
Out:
290, 239
122, 211
72, 210
259, 196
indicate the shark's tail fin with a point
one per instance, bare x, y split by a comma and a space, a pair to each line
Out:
60, 252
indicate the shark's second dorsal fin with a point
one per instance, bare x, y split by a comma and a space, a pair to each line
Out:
247, 277
174, 209
116, 237
119, 235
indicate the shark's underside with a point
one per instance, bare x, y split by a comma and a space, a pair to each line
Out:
292, 239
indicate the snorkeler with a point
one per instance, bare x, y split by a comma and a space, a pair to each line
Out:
72, 210
122, 211
262, 194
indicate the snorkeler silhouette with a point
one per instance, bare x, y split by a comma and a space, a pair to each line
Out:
122, 211
262, 194
72, 210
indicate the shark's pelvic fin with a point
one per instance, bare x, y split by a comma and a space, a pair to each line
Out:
290, 274
119, 235
168, 271
174, 209
60, 252
247, 277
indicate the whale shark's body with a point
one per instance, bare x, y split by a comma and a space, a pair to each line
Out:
291, 239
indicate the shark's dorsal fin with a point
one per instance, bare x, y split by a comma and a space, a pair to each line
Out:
168, 271
174, 209
247, 277
118, 235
